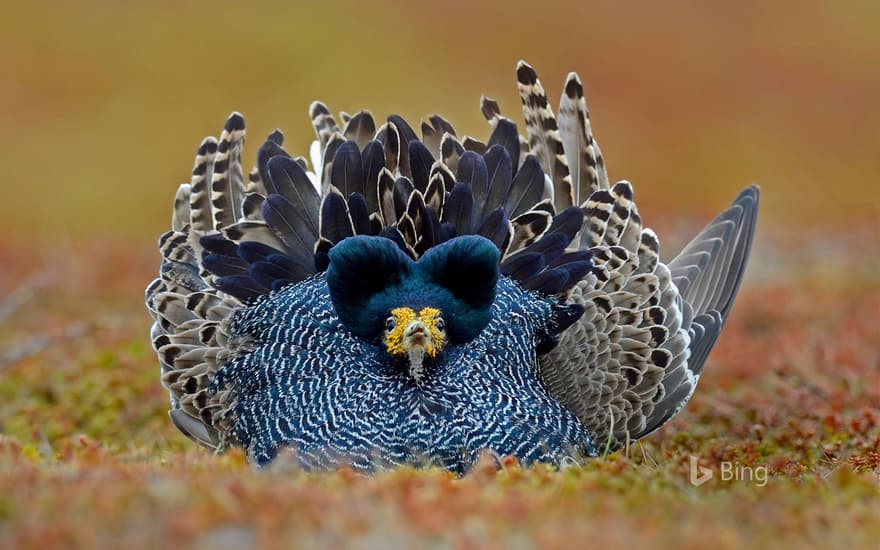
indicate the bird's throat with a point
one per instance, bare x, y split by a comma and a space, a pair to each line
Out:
416, 355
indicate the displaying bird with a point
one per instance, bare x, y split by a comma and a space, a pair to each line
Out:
418, 300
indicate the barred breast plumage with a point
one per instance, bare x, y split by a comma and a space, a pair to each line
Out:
335, 399
417, 300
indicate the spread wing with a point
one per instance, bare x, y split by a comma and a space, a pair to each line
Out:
634, 358
708, 273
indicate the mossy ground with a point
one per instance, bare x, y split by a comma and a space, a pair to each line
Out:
89, 458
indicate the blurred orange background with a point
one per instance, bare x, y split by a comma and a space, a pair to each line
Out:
104, 102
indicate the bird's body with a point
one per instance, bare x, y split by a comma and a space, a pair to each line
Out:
418, 300
357, 407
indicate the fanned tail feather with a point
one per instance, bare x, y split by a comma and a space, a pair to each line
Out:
227, 184
577, 139
544, 140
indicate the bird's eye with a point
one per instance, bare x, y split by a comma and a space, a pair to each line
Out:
390, 323
441, 324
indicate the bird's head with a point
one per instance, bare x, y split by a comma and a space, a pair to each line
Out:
415, 335
414, 309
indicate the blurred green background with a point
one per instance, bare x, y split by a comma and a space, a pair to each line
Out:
103, 103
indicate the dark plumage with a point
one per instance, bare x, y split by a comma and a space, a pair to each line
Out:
417, 301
